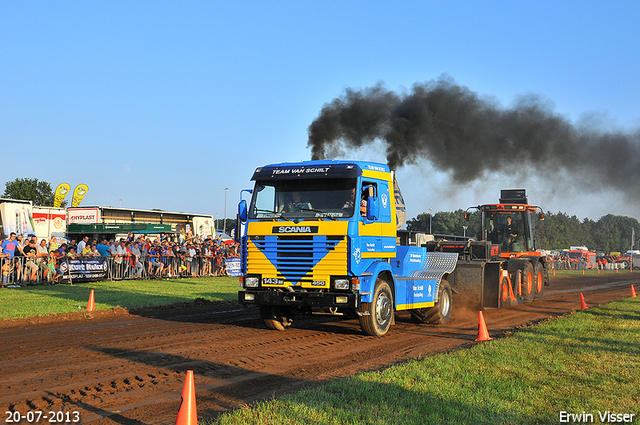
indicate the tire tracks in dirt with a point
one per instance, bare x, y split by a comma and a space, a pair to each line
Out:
129, 368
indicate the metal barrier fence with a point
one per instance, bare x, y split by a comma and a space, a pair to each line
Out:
23, 271
573, 265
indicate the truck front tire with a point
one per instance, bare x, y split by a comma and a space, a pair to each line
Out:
380, 310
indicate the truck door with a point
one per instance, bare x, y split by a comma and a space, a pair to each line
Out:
379, 234
370, 230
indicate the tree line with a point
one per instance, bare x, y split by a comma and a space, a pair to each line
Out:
557, 231
610, 233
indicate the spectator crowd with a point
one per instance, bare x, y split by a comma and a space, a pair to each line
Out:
26, 260
566, 262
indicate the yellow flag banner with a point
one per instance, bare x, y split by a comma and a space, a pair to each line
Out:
78, 194
60, 194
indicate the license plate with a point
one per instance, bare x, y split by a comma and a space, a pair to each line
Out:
273, 281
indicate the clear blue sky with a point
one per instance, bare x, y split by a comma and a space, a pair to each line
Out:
162, 104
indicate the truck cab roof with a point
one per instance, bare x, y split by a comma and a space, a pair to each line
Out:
317, 169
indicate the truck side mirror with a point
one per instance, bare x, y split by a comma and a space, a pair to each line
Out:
373, 208
242, 210
541, 216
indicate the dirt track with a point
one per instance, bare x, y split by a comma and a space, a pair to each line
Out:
121, 368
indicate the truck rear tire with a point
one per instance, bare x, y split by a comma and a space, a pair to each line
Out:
440, 313
539, 282
528, 283
276, 318
378, 321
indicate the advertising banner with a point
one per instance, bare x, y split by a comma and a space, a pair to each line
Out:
17, 218
203, 226
78, 194
49, 222
60, 194
83, 269
83, 216
233, 266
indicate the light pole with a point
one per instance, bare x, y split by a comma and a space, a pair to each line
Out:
430, 216
224, 223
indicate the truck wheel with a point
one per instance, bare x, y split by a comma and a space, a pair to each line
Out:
528, 282
377, 322
276, 318
440, 313
539, 282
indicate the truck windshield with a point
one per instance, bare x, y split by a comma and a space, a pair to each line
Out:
303, 198
508, 230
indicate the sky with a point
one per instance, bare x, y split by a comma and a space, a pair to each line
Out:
157, 104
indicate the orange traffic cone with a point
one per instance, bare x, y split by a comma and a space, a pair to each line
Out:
633, 292
91, 304
583, 304
187, 414
554, 272
583, 272
598, 270
483, 334
616, 270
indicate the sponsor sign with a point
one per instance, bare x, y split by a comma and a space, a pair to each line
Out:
84, 269
203, 226
78, 194
60, 194
48, 222
83, 216
233, 267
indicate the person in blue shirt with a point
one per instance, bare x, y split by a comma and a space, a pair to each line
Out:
9, 245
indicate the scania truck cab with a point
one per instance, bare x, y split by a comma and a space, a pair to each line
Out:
321, 236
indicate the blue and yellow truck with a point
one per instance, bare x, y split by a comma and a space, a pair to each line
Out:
322, 237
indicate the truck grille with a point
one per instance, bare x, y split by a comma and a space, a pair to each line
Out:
295, 256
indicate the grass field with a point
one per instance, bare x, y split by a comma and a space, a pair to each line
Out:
45, 300
586, 363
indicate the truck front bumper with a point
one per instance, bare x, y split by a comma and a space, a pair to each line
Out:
299, 299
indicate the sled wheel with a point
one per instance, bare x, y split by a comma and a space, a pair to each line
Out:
276, 318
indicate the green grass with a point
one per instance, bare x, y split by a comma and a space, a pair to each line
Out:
587, 362
45, 300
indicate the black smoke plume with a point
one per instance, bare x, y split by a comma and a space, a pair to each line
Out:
467, 136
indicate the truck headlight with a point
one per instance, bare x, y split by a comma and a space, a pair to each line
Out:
341, 283
251, 282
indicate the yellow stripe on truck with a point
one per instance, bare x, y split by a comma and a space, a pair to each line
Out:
328, 228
